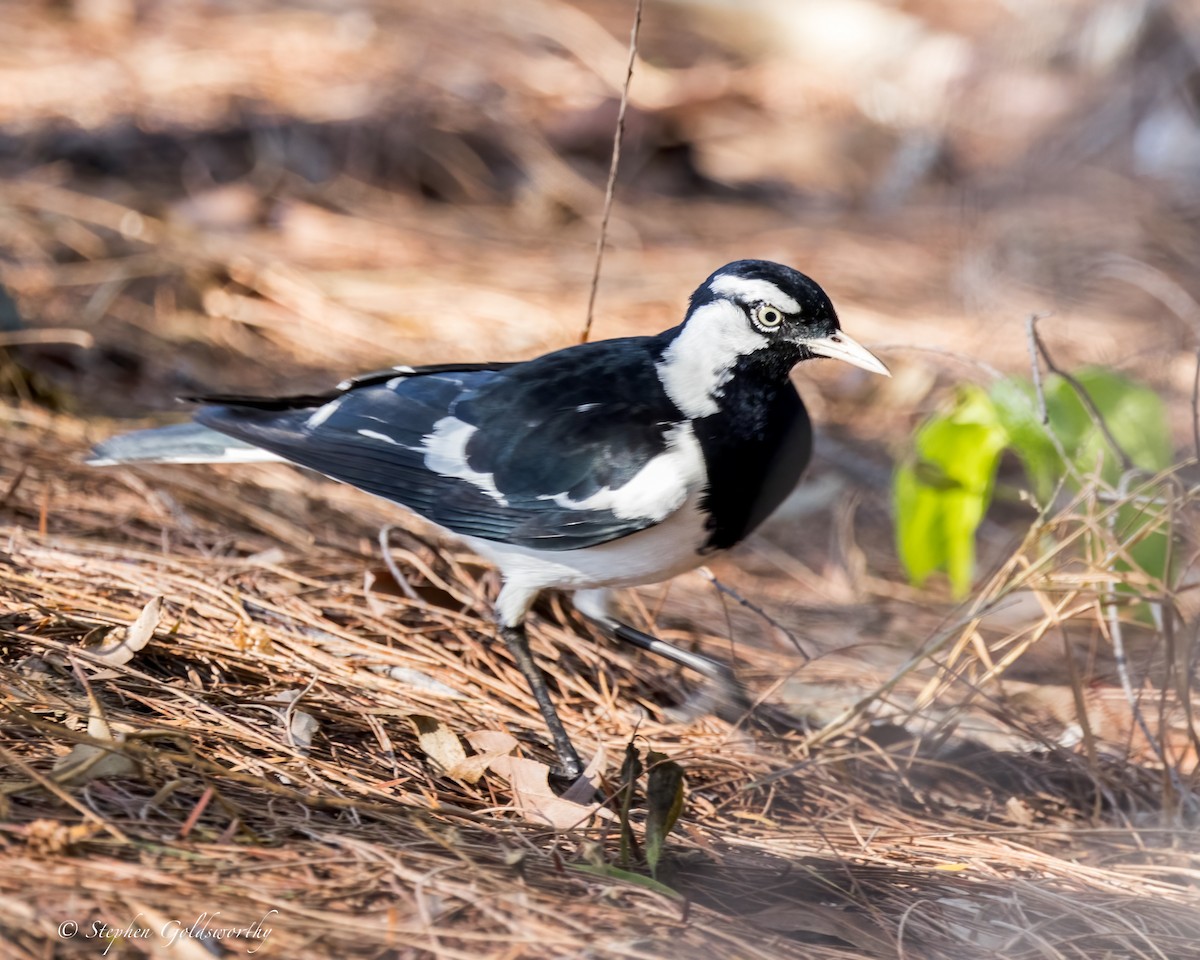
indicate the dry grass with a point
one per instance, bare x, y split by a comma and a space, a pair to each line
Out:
862, 840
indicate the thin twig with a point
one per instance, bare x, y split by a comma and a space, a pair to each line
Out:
1042, 410
1035, 369
992, 372
1156, 283
78, 338
754, 608
1196, 406
610, 187
1112, 611
1084, 397
385, 548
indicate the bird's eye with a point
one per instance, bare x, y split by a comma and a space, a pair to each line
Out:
767, 316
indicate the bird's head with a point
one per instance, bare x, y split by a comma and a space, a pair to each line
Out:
774, 308
756, 318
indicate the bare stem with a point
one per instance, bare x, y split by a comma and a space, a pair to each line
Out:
610, 187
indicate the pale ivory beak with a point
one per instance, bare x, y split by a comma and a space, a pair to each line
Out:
839, 346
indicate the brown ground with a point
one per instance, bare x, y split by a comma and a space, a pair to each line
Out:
268, 197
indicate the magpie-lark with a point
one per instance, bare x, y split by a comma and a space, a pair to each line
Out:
604, 464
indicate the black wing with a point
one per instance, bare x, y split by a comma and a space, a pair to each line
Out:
505, 452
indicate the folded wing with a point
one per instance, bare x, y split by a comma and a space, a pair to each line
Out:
514, 454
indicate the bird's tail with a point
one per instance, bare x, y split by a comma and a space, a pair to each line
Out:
182, 443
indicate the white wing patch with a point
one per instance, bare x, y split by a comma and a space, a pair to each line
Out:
376, 435
446, 453
322, 413
699, 362
657, 490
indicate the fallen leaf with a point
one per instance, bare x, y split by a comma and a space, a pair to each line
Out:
584, 789
446, 752
534, 799
664, 803
121, 645
1019, 812
302, 728
495, 742
90, 761
419, 680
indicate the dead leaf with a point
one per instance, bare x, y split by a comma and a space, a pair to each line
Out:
90, 761
1019, 812
301, 724
446, 752
495, 742
419, 681
302, 728
535, 800
440, 743
583, 789
121, 645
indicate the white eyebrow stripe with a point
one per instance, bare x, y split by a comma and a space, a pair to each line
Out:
752, 291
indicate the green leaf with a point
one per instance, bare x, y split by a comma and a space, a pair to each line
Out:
942, 492
1135, 415
625, 876
664, 803
1016, 409
631, 771
1152, 551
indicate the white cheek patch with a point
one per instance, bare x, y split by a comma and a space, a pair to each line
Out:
700, 361
446, 453
751, 291
657, 490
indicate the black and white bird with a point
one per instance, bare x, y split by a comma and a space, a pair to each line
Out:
601, 465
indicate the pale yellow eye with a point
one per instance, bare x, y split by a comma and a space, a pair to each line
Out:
767, 316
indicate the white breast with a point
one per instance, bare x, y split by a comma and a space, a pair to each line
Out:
670, 547
648, 556
656, 553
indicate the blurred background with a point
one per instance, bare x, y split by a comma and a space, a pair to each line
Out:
268, 196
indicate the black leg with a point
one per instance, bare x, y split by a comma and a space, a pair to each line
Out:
518, 645
724, 695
